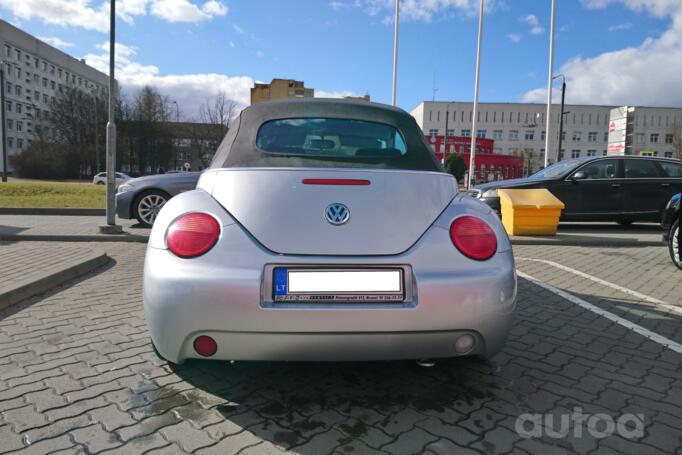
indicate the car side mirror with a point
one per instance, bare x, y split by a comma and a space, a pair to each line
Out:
580, 175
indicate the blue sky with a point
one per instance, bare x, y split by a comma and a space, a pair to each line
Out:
609, 49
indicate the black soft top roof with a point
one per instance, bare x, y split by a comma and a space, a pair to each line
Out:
238, 148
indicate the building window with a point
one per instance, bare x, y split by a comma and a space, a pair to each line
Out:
18, 54
639, 138
592, 136
9, 87
35, 62
9, 106
44, 66
575, 153
542, 135
604, 153
52, 85
668, 154
20, 125
497, 135
653, 138
10, 142
17, 90
18, 72
577, 135
433, 132
52, 69
513, 135
668, 138
481, 134
606, 137
591, 153
563, 136
10, 123
466, 133
36, 78
44, 98
530, 135
20, 143
8, 51
450, 132
59, 73
45, 82
18, 108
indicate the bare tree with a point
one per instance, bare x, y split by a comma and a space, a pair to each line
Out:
676, 131
218, 113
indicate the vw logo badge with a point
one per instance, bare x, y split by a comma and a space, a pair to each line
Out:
337, 214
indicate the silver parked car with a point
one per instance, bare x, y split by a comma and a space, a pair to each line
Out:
327, 230
143, 197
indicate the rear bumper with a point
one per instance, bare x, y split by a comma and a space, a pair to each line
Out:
221, 294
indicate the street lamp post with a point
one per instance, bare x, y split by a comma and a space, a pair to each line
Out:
472, 154
548, 119
111, 227
561, 115
395, 52
4, 121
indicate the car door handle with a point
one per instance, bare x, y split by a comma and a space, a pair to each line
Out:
665, 185
615, 185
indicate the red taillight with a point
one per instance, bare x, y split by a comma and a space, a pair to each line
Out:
473, 237
351, 182
205, 346
192, 235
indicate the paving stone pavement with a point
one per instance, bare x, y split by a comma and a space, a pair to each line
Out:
21, 261
77, 375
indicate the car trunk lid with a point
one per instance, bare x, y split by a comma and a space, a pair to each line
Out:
285, 209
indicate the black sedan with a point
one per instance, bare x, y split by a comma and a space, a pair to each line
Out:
671, 229
611, 188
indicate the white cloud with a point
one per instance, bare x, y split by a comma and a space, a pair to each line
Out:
623, 26
237, 28
74, 13
94, 14
514, 37
189, 90
215, 8
326, 94
54, 41
532, 21
414, 10
648, 74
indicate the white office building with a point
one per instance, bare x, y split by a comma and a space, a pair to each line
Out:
35, 73
520, 127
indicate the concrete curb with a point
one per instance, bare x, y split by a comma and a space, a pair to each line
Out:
51, 211
22, 290
131, 238
585, 241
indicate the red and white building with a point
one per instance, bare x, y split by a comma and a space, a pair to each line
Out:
489, 165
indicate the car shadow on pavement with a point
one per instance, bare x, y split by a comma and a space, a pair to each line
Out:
10, 231
317, 407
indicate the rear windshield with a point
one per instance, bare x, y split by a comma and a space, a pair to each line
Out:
330, 137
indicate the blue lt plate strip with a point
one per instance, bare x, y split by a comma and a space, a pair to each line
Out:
280, 281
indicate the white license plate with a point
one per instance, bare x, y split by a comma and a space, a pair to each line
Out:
319, 285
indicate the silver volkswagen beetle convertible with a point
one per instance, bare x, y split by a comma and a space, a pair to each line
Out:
327, 230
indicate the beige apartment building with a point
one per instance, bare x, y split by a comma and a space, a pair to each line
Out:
35, 74
280, 89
